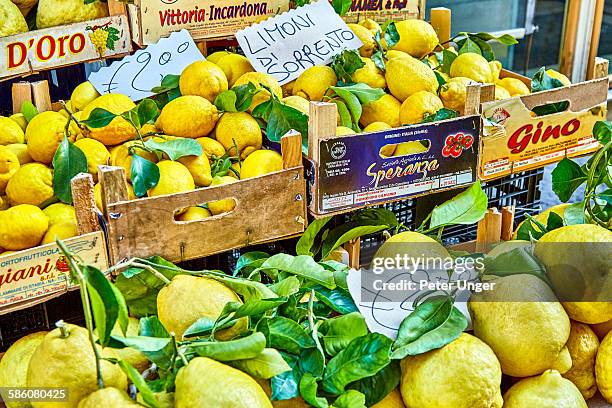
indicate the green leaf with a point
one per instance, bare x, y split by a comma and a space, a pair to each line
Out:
447, 60
345, 116
308, 390
312, 361
467, 207
606, 196
175, 148
168, 83
375, 216
505, 39
377, 387
363, 357
28, 110
351, 101
363, 92
427, 316
122, 316
574, 214
346, 64
339, 300
566, 178
240, 349
265, 365
280, 119
250, 260
392, 37
441, 82
226, 101
147, 111
379, 60
143, 389
436, 338
286, 287
339, 331
541, 81
98, 118
331, 242
145, 175
285, 334
68, 161
286, 385
104, 304
152, 327
306, 241
203, 326
469, 46
341, 7
530, 229
251, 308
301, 265
244, 94
554, 221
442, 114
485, 48
517, 261
551, 108
602, 131
350, 399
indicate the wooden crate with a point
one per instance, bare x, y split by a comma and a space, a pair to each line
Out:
55, 47
515, 145
268, 208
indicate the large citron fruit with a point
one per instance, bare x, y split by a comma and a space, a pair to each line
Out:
31, 184
548, 390
44, 134
108, 397
12, 19
406, 76
603, 368
416, 37
203, 78
52, 13
118, 130
188, 116
22, 226
582, 345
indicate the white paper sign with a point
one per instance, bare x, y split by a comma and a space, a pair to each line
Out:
286, 45
137, 74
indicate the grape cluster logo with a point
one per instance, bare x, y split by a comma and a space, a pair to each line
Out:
103, 37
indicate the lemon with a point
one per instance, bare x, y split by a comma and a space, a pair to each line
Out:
234, 66
393, 54
19, 119
199, 167
22, 226
417, 37
9, 164
496, 68
14, 364
44, 134
82, 95
216, 56
370, 24
603, 368
501, 93
417, 105
410, 244
225, 205
601, 329
473, 66
21, 151
121, 156
187, 298
211, 147
188, 116
261, 162
98, 194
257, 78
522, 321
462, 374
407, 148
576, 260
13, 21
376, 127
313, 83
385, 109
514, 86
559, 76
421, 77
136, 358
238, 130
207, 383
548, 390
69, 362
392, 400
96, 153
164, 399
454, 92
194, 214
60, 212
108, 397
10, 131
343, 130
52, 13
31, 184
563, 363
582, 345
204, 79
60, 230
118, 130
174, 177
370, 75
298, 102
366, 37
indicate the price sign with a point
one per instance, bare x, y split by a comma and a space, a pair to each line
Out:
137, 74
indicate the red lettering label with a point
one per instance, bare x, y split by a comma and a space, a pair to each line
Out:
17, 53
525, 135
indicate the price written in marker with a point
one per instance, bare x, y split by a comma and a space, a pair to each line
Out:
137, 74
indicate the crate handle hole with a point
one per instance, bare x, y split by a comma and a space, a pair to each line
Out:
404, 149
550, 108
204, 211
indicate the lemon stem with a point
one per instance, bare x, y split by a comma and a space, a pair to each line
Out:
64, 331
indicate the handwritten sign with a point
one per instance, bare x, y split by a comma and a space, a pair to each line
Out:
137, 74
288, 44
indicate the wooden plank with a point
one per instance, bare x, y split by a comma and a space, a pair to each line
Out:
568, 40
21, 92
41, 96
353, 248
595, 34
600, 69
322, 122
489, 230
472, 99
116, 8
291, 148
507, 228
441, 22
84, 202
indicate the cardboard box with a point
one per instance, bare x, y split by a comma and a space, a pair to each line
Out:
382, 11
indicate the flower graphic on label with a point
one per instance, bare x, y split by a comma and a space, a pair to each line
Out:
499, 116
62, 264
103, 37
454, 145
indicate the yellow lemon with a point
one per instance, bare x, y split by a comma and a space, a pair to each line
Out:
385, 109
496, 68
314, 82
603, 368
21, 151
392, 54
417, 37
501, 93
421, 77
473, 66
417, 105
19, 119
82, 95
174, 177
9, 164
44, 134
376, 127
194, 214
366, 37
61, 230
257, 78
225, 205
110, 397
343, 130
453, 93
559, 76
298, 102
121, 156
203, 78
199, 167
370, 24
96, 153
211, 147
13, 21
548, 390
188, 116
118, 130
22, 226
261, 162
52, 13
216, 56
370, 75
234, 66
60, 212
514, 86
238, 130
582, 345
31, 184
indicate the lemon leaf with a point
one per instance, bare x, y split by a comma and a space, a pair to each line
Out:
346, 64
145, 175
147, 395
98, 118
467, 207
245, 347
378, 386
285, 334
341, 7
339, 331
226, 101
447, 60
265, 365
566, 178
392, 37
350, 399
28, 110
68, 161
467, 45
168, 83
485, 48
176, 148
104, 303
147, 111
441, 114
306, 241
308, 391
427, 316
